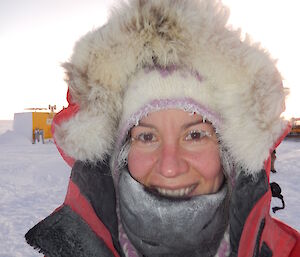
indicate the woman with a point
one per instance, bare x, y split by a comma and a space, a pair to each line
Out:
169, 129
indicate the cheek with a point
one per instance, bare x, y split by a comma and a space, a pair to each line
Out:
207, 163
140, 164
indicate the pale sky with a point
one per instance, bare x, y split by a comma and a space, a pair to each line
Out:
37, 35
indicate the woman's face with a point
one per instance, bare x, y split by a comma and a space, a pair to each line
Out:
176, 154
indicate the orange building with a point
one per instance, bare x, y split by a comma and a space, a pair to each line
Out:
25, 123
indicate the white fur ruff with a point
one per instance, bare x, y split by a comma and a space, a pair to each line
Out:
240, 80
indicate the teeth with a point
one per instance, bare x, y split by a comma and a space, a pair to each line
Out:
186, 191
175, 193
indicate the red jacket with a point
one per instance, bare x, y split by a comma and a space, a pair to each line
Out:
253, 232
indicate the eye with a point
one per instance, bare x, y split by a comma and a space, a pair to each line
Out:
146, 137
196, 135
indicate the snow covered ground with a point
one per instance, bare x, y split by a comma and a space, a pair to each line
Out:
34, 181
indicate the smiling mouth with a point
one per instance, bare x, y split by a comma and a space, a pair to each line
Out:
176, 193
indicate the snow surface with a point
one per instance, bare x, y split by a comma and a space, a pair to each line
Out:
5, 125
34, 181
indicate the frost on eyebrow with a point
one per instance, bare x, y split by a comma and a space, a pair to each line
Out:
204, 119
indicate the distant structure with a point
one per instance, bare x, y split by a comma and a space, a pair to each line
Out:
295, 131
35, 120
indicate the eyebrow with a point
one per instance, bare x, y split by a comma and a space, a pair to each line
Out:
143, 124
193, 123
184, 126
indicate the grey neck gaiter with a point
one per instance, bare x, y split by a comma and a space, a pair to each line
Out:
163, 227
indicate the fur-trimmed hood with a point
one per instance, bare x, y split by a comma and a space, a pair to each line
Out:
239, 78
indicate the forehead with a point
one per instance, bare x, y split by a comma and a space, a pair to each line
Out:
171, 115
171, 120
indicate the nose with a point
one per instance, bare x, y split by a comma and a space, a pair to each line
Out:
170, 163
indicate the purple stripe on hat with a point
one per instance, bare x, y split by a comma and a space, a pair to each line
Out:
169, 70
163, 71
197, 75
